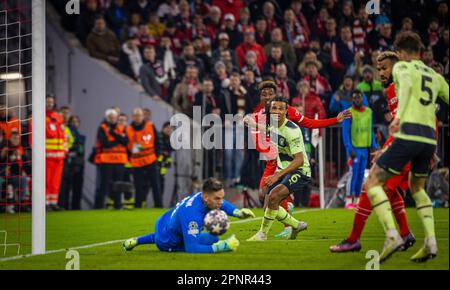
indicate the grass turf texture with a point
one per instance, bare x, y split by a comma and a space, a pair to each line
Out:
309, 251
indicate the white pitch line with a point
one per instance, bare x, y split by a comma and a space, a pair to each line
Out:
61, 250
118, 241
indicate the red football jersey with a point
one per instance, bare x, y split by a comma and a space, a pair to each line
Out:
392, 99
262, 142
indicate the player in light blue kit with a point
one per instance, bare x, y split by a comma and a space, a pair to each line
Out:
180, 229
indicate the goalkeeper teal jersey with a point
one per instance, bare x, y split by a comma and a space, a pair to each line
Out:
289, 141
418, 87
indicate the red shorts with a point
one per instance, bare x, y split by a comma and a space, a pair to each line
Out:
271, 167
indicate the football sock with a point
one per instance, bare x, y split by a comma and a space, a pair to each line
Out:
284, 217
269, 218
148, 239
398, 208
425, 212
382, 207
363, 211
285, 204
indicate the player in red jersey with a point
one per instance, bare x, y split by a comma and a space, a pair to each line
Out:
268, 92
392, 187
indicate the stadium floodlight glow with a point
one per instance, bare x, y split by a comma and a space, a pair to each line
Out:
11, 76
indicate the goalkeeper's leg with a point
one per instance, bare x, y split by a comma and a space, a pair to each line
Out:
132, 243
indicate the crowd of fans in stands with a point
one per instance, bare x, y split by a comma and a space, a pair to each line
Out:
214, 52
172, 46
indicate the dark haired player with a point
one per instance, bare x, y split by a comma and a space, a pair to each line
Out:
385, 62
267, 91
417, 87
180, 229
293, 171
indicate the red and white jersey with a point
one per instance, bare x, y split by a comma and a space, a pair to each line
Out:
392, 107
392, 100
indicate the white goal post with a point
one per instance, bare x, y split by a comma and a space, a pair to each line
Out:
38, 107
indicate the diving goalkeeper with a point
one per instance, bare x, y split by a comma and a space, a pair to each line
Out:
180, 229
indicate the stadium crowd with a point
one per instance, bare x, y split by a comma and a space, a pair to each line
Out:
213, 53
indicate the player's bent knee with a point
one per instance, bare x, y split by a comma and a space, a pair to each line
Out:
261, 195
274, 198
375, 178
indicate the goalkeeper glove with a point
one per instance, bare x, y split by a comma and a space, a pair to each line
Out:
228, 245
243, 213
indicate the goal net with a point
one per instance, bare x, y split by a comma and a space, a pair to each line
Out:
16, 138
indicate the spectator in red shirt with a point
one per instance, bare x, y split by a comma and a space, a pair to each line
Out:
144, 36
297, 6
269, 14
362, 26
8, 123
199, 29
229, 6
311, 103
318, 84
294, 32
319, 22
285, 85
250, 44
17, 166
433, 32
244, 19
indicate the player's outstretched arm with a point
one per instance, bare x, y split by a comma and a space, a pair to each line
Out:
192, 240
231, 210
306, 122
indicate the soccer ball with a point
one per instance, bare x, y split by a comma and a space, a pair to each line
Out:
216, 222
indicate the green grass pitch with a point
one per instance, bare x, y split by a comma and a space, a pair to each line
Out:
310, 250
